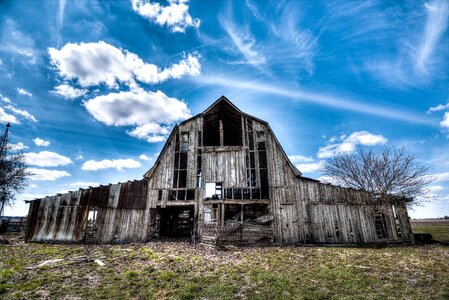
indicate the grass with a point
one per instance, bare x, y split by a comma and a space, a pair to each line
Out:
178, 270
438, 228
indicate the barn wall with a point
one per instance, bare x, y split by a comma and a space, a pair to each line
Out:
312, 212
122, 215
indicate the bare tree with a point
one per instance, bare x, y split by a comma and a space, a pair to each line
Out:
388, 172
13, 172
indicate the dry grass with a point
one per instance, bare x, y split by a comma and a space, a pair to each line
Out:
178, 270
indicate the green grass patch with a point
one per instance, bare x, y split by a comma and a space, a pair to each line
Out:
438, 232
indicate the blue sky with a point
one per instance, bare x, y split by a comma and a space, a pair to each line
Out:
92, 88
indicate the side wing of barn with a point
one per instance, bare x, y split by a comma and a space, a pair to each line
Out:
112, 213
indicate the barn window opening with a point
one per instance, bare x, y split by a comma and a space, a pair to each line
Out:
92, 217
91, 226
184, 146
198, 168
181, 160
181, 195
159, 195
397, 223
222, 126
214, 190
380, 226
200, 139
337, 230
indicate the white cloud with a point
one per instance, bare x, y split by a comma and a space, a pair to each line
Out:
146, 110
46, 159
7, 118
175, 16
310, 167
5, 99
144, 157
437, 15
152, 133
119, 164
438, 108
328, 179
100, 63
137, 107
299, 159
47, 175
24, 92
22, 113
40, 142
348, 144
445, 122
440, 177
17, 147
436, 188
79, 156
82, 184
68, 92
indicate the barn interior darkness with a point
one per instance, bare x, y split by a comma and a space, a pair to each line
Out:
176, 221
222, 126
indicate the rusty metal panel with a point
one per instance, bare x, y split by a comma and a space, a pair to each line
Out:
99, 196
32, 220
133, 195
114, 195
85, 195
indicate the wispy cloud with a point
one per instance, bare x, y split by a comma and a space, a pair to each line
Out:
414, 56
302, 43
21, 112
436, 24
243, 40
438, 108
60, 15
304, 95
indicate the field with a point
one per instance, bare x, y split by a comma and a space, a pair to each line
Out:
178, 270
439, 228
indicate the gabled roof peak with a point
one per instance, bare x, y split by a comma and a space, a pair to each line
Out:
220, 100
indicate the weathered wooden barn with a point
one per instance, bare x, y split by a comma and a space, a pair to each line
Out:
222, 176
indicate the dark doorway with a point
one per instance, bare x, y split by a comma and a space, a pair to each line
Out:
177, 221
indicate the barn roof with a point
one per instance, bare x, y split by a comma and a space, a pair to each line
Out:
219, 101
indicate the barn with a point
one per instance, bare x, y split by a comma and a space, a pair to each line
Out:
221, 177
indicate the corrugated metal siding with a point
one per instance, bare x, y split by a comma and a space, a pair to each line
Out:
122, 214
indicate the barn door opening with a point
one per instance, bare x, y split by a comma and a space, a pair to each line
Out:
177, 221
91, 225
